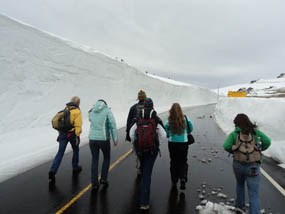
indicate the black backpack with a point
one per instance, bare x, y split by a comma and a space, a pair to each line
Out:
61, 121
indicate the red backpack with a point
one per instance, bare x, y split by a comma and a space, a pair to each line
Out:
146, 134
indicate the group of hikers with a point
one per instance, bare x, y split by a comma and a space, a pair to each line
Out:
145, 130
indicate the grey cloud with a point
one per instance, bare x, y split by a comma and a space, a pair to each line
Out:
206, 42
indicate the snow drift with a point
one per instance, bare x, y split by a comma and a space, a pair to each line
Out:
41, 72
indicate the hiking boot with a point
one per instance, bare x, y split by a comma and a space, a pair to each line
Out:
139, 172
144, 207
182, 184
51, 177
174, 183
182, 197
94, 188
77, 170
174, 191
104, 183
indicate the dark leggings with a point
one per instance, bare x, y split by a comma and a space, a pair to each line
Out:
178, 161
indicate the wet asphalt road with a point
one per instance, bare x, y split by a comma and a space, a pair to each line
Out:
209, 169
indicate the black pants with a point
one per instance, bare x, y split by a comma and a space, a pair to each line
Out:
178, 161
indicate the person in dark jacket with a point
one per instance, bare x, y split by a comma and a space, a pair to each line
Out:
247, 165
133, 113
72, 136
134, 110
147, 157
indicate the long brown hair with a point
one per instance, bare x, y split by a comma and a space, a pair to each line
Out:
176, 119
243, 122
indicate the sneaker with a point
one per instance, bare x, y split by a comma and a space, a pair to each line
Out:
144, 207
77, 170
182, 184
51, 177
104, 183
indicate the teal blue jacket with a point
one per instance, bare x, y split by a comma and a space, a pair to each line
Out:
182, 138
259, 137
102, 123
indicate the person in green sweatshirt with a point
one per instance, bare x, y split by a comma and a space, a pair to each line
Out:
246, 143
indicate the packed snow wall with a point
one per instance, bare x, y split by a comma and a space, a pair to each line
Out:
41, 72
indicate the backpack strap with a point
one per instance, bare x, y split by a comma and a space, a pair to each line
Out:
150, 113
187, 123
236, 146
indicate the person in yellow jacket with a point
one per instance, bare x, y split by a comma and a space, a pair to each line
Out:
72, 136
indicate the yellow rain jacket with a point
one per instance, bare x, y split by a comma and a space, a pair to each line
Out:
75, 118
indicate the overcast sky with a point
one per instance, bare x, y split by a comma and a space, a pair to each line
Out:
206, 42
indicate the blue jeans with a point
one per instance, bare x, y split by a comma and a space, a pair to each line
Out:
63, 140
249, 173
147, 160
95, 147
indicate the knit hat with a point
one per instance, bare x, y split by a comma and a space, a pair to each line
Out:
141, 95
148, 104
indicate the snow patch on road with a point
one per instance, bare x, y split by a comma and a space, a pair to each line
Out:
213, 208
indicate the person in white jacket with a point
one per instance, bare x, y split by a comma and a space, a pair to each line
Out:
145, 134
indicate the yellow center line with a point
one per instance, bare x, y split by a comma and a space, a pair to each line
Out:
82, 192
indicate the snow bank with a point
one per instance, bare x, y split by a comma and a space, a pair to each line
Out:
40, 73
267, 113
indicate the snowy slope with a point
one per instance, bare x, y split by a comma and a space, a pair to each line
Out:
40, 73
174, 82
265, 105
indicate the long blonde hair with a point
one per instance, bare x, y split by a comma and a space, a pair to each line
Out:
176, 119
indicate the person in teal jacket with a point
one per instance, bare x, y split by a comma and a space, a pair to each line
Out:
246, 170
176, 129
102, 129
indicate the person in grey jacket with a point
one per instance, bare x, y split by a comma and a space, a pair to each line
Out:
102, 129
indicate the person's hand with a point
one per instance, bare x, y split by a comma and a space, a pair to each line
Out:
115, 143
128, 138
77, 140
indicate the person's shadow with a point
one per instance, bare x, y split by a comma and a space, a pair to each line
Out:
99, 201
132, 206
176, 202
